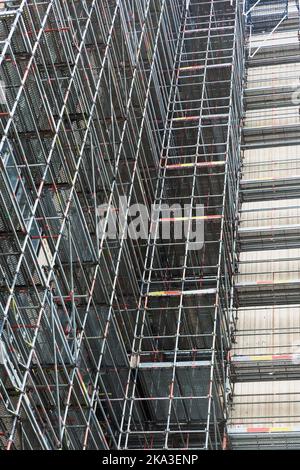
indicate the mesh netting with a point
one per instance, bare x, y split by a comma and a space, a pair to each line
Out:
267, 13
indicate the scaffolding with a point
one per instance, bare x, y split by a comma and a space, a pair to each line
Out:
179, 364
265, 15
86, 88
117, 343
264, 362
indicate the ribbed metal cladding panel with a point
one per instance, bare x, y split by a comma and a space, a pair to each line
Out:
267, 404
280, 39
262, 214
273, 76
269, 330
273, 162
